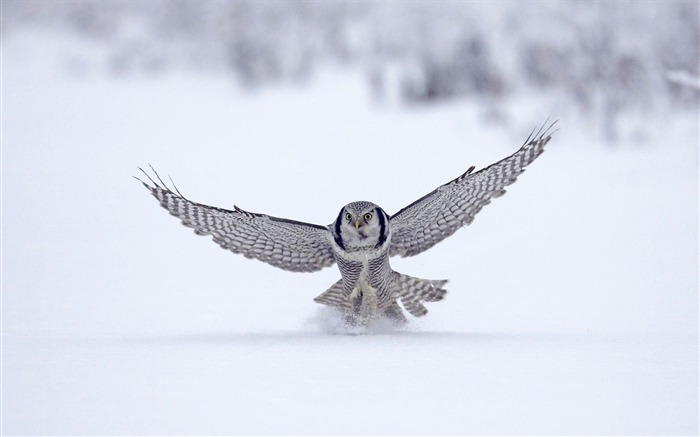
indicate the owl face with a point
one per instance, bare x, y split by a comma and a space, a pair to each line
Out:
361, 225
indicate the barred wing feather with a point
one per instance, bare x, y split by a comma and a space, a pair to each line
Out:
287, 244
439, 214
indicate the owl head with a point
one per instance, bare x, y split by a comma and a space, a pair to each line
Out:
361, 225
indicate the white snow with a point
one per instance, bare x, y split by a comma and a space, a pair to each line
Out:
572, 305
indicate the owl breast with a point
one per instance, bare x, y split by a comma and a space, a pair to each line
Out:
367, 279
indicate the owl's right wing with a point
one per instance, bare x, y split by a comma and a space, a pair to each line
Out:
439, 214
287, 244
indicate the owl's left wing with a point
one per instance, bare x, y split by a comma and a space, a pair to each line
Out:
439, 214
287, 244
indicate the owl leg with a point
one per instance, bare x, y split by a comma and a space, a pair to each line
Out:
359, 314
356, 312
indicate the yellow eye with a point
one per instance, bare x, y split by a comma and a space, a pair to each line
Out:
348, 217
368, 217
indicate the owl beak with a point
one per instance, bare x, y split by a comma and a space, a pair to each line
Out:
357, 223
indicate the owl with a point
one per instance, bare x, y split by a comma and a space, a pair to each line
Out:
362, 239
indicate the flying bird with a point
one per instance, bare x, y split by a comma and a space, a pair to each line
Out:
362, 239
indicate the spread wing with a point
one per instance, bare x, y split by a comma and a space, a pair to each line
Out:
439, 214
287, 244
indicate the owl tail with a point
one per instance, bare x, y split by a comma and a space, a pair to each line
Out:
414, 291
335, 297
411, 291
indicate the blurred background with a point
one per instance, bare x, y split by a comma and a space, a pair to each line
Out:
605, 62
573, 300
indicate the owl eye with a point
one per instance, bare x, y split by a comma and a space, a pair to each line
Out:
368, 217
348, 217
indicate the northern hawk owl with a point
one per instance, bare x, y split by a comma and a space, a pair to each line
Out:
362, 239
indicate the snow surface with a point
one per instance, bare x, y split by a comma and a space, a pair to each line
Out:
572, 305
